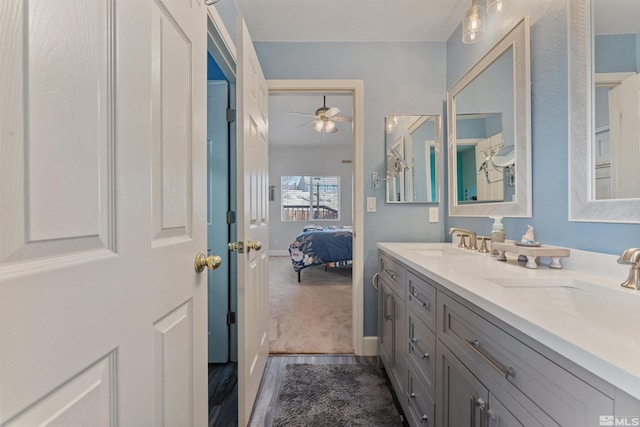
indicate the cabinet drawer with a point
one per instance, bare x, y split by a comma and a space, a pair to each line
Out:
419, 407
499, 358
421, 350
392, 272
421, 297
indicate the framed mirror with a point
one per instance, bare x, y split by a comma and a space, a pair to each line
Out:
412, 145
604, 88
489, 129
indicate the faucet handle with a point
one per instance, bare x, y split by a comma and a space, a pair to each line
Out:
483, 246
463, 242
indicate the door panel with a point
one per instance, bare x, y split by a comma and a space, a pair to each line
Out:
100, 306
217, 227
253, 223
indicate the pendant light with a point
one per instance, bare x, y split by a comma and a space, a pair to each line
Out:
494, 6
473, 24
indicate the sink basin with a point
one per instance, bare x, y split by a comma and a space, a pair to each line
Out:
442, 252
575, 299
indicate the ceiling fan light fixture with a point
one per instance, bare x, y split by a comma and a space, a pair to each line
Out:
473, 24
329, 126
319, 126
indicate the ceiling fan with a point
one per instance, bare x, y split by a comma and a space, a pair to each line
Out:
325, 118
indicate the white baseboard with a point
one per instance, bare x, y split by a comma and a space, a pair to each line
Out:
370, 347
278, 252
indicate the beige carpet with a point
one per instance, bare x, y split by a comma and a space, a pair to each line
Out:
313, 316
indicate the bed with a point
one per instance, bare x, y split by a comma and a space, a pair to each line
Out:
316, 245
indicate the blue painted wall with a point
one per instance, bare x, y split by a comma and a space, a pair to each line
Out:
399, 78
412, 78
549, 75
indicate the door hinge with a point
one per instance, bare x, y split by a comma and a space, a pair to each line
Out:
231, 217
231, 318
231, 115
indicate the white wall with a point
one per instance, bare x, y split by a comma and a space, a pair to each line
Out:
315, 161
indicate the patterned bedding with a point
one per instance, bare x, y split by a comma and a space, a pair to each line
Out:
329, 246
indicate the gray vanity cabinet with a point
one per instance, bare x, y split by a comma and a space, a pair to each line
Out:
515, 372
453, 364
391, 341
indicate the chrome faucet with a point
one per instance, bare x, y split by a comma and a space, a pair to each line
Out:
631, 257
472, 237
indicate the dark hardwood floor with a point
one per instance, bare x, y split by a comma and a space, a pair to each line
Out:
223, 394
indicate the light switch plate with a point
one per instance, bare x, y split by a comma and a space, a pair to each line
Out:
371, 204
433, 214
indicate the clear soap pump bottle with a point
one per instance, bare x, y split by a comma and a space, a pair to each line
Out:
497, 235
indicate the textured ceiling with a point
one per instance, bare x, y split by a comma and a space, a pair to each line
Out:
352, 20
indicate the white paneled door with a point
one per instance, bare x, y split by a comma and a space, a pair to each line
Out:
102, 210
253, 223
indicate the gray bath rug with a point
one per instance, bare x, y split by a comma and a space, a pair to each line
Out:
335, 395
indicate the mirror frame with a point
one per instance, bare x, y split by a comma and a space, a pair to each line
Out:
582, 206
437, 119
519, 39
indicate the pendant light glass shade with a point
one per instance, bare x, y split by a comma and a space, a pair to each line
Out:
494, 6
473, 24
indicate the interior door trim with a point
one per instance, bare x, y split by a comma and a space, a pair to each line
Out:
355, 88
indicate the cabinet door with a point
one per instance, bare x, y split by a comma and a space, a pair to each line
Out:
499, 416
400, 343
385, 349
462, 397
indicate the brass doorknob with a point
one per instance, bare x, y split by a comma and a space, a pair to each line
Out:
202, 261
256, 246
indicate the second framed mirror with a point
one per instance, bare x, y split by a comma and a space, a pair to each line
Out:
413, 158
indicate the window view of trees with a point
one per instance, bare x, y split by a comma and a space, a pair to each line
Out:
307, 198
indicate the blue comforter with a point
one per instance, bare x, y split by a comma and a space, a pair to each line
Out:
321, 246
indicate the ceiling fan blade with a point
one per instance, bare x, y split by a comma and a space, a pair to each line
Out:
303, 114
332, 111
305, 123
342, 119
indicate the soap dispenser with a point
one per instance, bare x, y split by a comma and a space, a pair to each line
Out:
497, 235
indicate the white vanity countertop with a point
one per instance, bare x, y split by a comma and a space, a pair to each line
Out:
586, 317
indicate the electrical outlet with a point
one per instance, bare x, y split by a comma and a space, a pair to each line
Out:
433, 214
371, 204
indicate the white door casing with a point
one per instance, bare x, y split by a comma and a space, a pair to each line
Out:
103, 206
362, 346
253, 222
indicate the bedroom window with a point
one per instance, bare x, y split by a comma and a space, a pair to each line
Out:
306, 198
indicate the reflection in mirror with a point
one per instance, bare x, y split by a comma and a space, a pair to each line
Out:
413, 153
483, 175
489, 139
602, 185
615, 151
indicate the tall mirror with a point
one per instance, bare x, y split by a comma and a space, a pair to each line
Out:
489, 132
413, 158
604, 175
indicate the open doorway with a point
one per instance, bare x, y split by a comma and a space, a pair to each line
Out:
311, 219
351, 91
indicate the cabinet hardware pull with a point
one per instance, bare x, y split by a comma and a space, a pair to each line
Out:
472, 411
506, 372
386, 304
391, 273
426, 305
415, 348
424, 417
